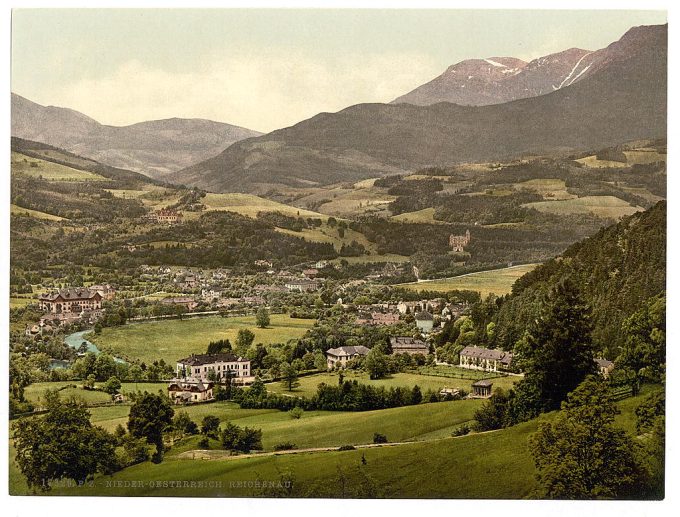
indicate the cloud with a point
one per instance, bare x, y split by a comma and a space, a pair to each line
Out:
258, 90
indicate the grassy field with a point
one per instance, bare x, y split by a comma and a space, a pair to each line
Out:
549, 188
17, 210
330, 235
174, 339
426, 215
485, 465
632, 157
497, 281
34, 167
249, 205
20, 301
361, 259
309, 383
602, 206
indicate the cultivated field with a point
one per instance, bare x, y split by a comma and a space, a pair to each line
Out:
330, 235
602, 206
497, 281
426, 215
174, 339
549, 188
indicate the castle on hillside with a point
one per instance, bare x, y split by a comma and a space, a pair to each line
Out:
458, 242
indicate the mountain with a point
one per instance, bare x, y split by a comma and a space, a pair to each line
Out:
479, 82
622, 99
154, 148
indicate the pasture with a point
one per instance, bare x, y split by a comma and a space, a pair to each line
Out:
426, 215
35, 167
249, 205
497, 281
17, 210
174, 339
601, 206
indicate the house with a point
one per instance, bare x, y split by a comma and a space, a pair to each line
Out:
479, 358
264, 263
302, 285
424, 322
107, 291
66, 304
224, 366
212, 292
338, 357
458, 242
188, 281
184, 391
320, 264
166, 216
481, 389
377, 318
604, 366
311, 273
408, 345
186, 301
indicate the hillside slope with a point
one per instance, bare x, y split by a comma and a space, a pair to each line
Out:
617, 269
625, 99
154, 148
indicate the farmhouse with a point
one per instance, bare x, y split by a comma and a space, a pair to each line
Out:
478, 358
378, 318
223, 365
70, 303
187, 391
311, 273
408, 345
458, 242
338, 357
424, 322
302, 285
604, 366
186, 301
481, 389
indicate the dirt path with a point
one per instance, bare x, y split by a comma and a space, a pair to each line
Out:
198, 454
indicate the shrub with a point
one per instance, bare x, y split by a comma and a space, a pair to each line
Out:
296, 412
461, 430
285, 446
204, 443
347, 448
379, 438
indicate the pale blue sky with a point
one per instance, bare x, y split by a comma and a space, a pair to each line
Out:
266, 69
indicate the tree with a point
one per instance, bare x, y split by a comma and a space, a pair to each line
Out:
210, 426
644, 350
320, 361
112, 386
289, 376
557, 353
376, 364
149, 416
244, 339
416, 395
262, 317
582, 455
184, 424
62, 444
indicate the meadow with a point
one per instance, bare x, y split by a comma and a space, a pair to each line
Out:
602, 206
171, 340
497, 281
249, 205
433, 465
18, 210
308, 384
35, 167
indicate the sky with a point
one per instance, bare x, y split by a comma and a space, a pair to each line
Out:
267, 69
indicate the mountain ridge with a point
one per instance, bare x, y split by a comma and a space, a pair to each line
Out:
623, 99
154, 147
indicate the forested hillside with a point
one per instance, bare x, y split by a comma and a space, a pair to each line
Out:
617, 271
